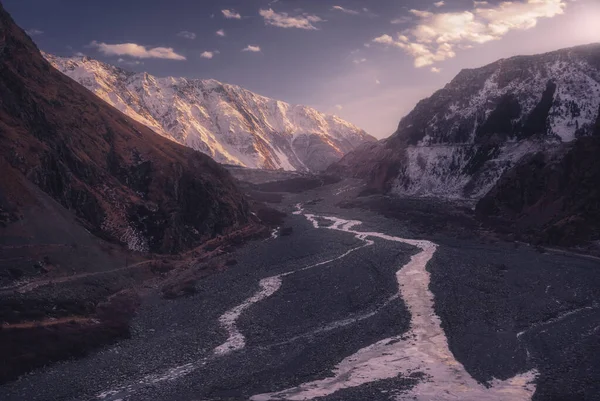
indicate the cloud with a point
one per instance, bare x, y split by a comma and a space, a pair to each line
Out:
345, 10
187, 35
439, 4
34, 32
129, 63
284, 20
230, 14
377, 82
363, 11
136, 51
251, 48
401, 20
436, 70
79, 54
384, 40
220, 32
359, 60
339, 107
436, 36
209, 55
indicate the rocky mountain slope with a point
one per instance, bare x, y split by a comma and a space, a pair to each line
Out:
121, 181
550, 197
226, 122
459, 142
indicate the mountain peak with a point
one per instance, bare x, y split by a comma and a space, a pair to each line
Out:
227, 122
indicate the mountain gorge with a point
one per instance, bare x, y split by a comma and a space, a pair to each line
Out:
230, 124
461, 140
141, 260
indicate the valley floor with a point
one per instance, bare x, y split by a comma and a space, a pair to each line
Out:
356, 306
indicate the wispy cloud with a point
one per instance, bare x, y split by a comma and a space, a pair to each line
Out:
231, 14
439, 4
251, 48
187, 35
220, 32
345, 10
359, 60
284, 20
436, 36
339, 107
129, 63
377, 82
136, 51
363, 11
79, 54
209, 54
436, 70
402, 20
34, 32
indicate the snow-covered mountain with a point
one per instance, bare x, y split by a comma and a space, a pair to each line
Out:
228, 123
458, 142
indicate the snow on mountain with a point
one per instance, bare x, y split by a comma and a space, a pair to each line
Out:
458, 142
226, 122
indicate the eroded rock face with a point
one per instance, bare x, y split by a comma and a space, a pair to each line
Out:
550, 197
125, 183
459, 142
230, 124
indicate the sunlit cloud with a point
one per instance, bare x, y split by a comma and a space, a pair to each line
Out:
339, 107
439, 4
345, 10
137, 51
187, 35
34, 32
209, 54
284, 20
252, 49
437, 36
436, 70
220, 32
230, 14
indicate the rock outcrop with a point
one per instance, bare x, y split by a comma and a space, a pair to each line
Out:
550, 198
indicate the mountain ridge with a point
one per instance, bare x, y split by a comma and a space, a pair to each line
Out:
459, 141
229, 123
124, 183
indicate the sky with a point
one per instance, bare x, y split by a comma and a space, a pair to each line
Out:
368, 62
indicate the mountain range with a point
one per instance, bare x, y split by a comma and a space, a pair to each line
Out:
230, 124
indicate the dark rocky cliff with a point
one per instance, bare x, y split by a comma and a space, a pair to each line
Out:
124, 183
550, 198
